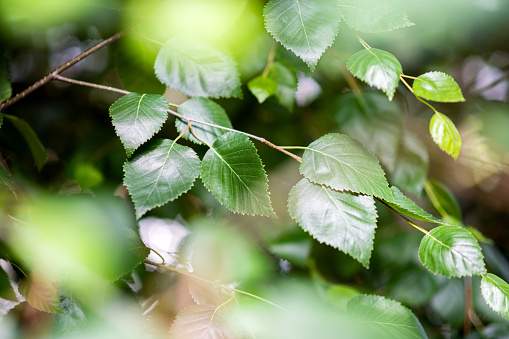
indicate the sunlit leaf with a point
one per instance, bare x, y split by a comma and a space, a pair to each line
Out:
206, 110
388, 318
496, 294
286, 80
40, 294
6, 180
451, 251
201, 321
377, 68
443, 200
306, 27
445, 134
262, 87
406, 206
340, 162
160, 173
197, 70
437, 86
233, 172
374, 16
340, 219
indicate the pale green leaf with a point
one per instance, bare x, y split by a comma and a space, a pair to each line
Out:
306, 27
201, 321
342, 220
206, 110
445, 134
451, 251
374, 16
340, 162
404, 205
137, 117
340, 295
38, 151
233, 172
437, 86
6, 180
495, 292
286, 80
160, 173
197, 70
443, 200
377, 68
387, 318
262, 87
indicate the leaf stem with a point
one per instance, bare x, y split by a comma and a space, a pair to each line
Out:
158, 254
406, 219
413, 92
270, 59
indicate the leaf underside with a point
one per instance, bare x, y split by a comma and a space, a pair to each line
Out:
201, 321
286, 82
262, 88
445, 134
6, 180
407, 207
495, 292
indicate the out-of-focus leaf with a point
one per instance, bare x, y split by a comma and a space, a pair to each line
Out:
340, 295
6, 291
160, 173
377, 68
214, 73
341, 163
445, 134
451, 251
137, 117
286, 80
308, 90
306, 27
38, 151
413, 287
71, 320
449, 302
40, 294
206, 110
294, 247
201, 321
496, 294
262, 87
233, 172
6, 180
406, 206
203, 293
5, 85
437, 86
374, 16
340, 219
443, 200
87, 175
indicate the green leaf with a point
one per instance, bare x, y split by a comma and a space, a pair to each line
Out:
233, 172
262, 88
38, 151
6, 180
71, 320
286, 80
306, 27
340, 295
413, 286
160, 173
405, 206
5, 86
443, 200
340, 219
437, 86
137, 117
451, 251
445, 135
6, 291
201, 321
374, 16
40, 294
388, 318
495, 292
204, 110
340, 162
87, 175
377, 68
197, 70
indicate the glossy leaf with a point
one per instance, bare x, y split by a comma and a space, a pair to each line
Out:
377, 68
206, 110
340, 162
443, 200
451, 251
342, 220
197, 70
286, 80
233, 172
6, 180
445, 134
388, 318
406, 206
38, 151
495, 292
262, 87
306, 27
437, 86
374, 16
137, 117
40, 294
160, 173
201, 321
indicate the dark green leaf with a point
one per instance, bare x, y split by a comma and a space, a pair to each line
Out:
286, 80
6, 180
437, 86
340, 219
445, 134
262, 88
413, 286
340, 162
201, 321
160, 173
374, 16
377, 68
411, 168
204, 110
388, 318
5, 86
234, 173
306, 27
443, 200
405, 206
197, 70
449, 302
451, 251
35, 145
137, 117
496, 294
6, 291
40, 294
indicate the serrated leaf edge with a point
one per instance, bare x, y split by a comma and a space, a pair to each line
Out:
448, 76
487, 276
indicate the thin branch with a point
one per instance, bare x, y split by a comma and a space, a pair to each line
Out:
83, 83
467, 325
60, 69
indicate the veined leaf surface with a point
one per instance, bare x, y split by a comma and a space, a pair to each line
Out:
495, 292
201, 321
445, 134
406, 206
